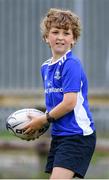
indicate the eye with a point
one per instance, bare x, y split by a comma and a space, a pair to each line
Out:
55, 32
66, 33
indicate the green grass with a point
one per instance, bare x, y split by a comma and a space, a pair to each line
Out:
6, 135
99, 155
42, 175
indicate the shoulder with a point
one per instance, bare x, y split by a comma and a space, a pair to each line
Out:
71, 58
46, 62
72, 63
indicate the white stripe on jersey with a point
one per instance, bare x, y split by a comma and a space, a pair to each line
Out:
81, 116
47, 62
62, 59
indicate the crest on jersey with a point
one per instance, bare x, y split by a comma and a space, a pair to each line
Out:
57, 75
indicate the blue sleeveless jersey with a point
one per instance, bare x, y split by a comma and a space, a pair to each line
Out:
64, 76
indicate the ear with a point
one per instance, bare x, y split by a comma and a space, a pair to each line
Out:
73, 42
46, 40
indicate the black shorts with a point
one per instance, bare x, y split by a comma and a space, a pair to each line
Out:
71, 152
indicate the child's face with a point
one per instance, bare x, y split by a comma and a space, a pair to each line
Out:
60, 41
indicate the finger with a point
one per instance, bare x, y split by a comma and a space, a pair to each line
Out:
26, 126
27, 131
31, 139
31, 132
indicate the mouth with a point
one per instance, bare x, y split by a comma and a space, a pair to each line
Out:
58, 43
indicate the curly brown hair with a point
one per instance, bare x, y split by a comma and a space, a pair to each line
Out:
62, 19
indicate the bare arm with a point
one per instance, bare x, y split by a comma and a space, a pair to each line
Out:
67, 105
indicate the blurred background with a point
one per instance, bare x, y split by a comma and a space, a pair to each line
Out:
22, 51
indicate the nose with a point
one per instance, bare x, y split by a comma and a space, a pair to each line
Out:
60, 36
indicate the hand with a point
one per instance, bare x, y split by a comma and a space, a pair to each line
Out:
29, 139
36, 123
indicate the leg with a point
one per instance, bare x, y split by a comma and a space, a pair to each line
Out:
61, 173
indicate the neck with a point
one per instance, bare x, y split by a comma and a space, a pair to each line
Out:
55, 58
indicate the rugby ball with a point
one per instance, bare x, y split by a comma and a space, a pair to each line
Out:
17, 120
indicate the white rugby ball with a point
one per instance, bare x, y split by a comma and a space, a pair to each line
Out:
17, 120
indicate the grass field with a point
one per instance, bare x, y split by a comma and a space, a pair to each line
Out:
5, 135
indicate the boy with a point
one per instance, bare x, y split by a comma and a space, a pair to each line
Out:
65, 83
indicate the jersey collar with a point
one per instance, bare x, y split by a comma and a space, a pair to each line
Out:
62, 59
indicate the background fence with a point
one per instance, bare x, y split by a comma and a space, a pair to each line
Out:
22, 50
